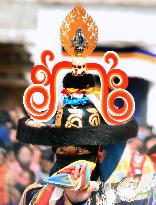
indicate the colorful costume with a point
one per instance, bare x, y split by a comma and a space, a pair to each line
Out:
86, 117
130, 164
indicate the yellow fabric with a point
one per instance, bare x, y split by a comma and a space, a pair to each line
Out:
92, 90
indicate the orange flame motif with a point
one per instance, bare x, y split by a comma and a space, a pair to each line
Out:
78, 18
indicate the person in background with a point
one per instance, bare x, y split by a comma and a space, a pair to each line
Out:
20, 158
47, 160
13, 132
27, 177
5, 119
17, 178
36, 159
24, 156
150, 148
7, 181
15, 194
4, 198
19, 110
5, 125
14, 116
13, 162
144, 131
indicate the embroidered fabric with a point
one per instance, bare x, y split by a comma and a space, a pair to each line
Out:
130, 189
135, 188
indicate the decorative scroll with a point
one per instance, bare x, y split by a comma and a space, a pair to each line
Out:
110, 113
45, 110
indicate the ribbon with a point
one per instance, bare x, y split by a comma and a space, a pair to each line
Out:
70, 91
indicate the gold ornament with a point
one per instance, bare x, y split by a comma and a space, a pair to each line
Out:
59, 117
74, 119
94, 118
79, 33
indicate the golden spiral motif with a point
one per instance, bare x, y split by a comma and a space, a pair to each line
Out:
78, 18
94, 118
74, 120
59, 117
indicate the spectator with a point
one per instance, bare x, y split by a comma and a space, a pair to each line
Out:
4, 135
12, 160
5, 119
4, 197
13, 132
27, 177
36, 159
5, 124
150, 148
144, 131
14, 116
47, 160
25, 156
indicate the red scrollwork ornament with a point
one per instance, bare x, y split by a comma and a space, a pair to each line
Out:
45, 110
110, 113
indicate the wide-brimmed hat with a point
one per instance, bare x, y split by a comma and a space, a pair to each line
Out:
77, 121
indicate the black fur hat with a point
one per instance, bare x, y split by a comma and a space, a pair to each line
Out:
75, 125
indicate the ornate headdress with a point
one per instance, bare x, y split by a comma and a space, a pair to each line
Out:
88, 114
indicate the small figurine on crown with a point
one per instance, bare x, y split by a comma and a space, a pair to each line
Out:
86, 129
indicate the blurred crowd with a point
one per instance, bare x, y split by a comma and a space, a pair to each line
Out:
22, 164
